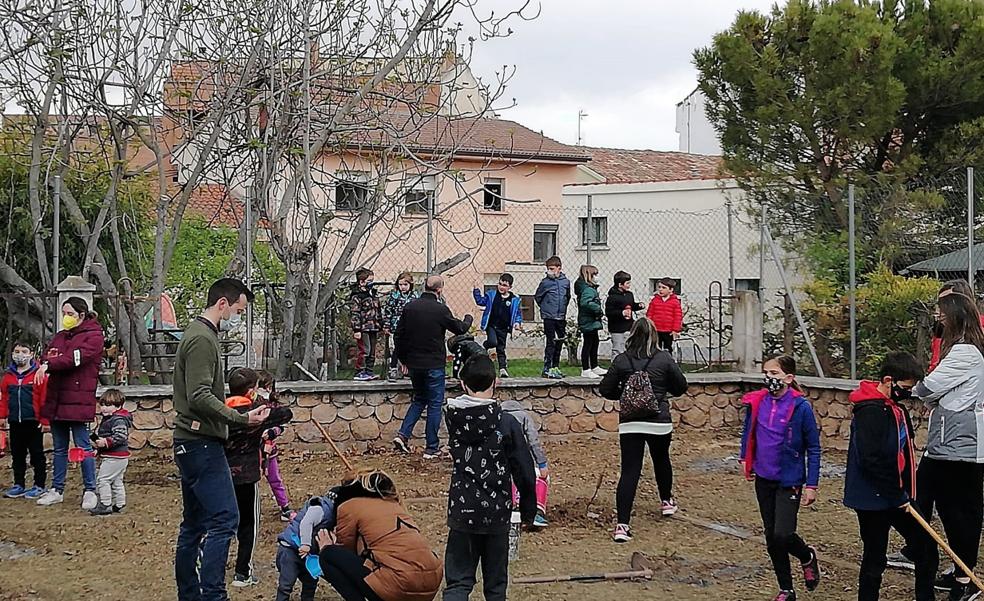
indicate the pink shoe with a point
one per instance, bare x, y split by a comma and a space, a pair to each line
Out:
669, 507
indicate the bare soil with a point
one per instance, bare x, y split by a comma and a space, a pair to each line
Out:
61, 553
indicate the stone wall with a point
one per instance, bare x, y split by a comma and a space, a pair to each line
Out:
364, 414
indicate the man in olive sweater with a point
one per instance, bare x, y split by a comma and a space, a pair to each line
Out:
201, 427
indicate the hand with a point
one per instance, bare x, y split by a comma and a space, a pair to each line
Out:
100, 443
676, 335
304, 550
904, 506
357, 335
627, 314
3, 423
404, 370
45, 428
809, 497
41, 374
544, 473
258, 415
326, 538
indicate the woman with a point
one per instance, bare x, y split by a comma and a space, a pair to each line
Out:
951, 472
589, 314
377, 552
960, 287
644, 417
71, 365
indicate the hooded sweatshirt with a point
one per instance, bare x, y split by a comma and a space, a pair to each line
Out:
489, 452
115, 430
881, 463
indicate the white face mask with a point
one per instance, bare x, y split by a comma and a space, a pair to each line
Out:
263, 394
231, 323
22, 359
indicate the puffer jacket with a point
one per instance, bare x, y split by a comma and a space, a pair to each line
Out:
393, 307
617, 302
589, 310
73, 358
552, 296
115, 430
243, 449
20, 398
954, 392
365, 312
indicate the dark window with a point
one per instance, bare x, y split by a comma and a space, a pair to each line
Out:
494, 191
747, 284
416, 202
527, 306
351, 192
544, 242
599, 233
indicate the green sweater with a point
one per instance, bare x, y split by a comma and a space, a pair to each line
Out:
199, 387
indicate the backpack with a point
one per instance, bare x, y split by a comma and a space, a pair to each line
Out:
638, 401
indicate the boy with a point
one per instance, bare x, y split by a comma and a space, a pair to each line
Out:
666, 314
515, 409
297, 541
489, 451
501, 316
881, 476
20, 408
243, 455
112, 441
620, 307
366, 319
552, 296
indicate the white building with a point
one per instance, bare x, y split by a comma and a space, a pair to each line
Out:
697, 135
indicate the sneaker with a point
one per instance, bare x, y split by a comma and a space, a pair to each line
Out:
545, 373
51, 497
15, 492
587, 373
540, 521
429, 455
362, 376
811, 571
668, 508
401, 444
786, 596
101, 509
964, 591
622, 533
946, 580
900, 561
241, 581
119, 508
393, 374
556, 374
89, 500
34, 492
287, 514
600, 370
503, 373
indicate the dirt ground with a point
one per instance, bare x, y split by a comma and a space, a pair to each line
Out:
61, 553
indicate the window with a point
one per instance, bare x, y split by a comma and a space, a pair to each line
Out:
654, 282
351, 191
544, 242
528, 307
747, 284
495, 188
599, 231
420, 197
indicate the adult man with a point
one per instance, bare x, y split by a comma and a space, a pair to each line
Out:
420, 347
201, 427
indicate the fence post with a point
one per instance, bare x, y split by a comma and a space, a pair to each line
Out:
589, 227
430, 234
971, 271
56, 242
731, 248
247, 216
852, 285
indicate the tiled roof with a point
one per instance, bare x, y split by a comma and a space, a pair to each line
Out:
216, 205
619, 166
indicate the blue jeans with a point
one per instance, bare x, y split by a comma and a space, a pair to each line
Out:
428, 393
209, 520
79, 431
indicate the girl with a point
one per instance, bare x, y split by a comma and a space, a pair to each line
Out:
377, 551
266, 389
960, 287
780, 447
951, 472
393, 306
589, 314
642, 425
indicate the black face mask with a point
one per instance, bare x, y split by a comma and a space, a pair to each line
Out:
774, 385
899, 393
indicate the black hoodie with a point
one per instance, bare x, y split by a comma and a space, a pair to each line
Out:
490, 452
616, 302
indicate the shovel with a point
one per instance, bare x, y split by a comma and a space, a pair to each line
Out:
642, 568
77, 455
946, 548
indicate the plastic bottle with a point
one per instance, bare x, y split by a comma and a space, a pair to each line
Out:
514, 528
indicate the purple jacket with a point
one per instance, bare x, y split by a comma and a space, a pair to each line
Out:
73, 358
800, 460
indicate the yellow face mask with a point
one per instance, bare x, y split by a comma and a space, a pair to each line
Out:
70, 321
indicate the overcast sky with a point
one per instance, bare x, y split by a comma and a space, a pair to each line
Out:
627, 63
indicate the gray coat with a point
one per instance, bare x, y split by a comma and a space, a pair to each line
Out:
516, 409
954, 391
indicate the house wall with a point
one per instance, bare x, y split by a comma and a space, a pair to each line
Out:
697, 135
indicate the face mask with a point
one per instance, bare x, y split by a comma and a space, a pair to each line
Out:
230, 324
263, 394
774, 384
70, 321
107, 410
369, 284
22, 359
899, 393
553, 276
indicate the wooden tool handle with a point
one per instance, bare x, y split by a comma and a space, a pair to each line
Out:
334, 446
584, 577
946, 548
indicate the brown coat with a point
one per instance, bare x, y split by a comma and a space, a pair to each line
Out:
404, 568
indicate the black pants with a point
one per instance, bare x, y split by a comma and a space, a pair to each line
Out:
291, 568
665, 341
589, 349
496, 338
633, 447
346, 572
779, 508
956, 489
465, 551
248, 500
555, 331
26, 437
874, 527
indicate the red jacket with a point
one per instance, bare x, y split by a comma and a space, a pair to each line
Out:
73, 358
666, 315
22, 383
935, 346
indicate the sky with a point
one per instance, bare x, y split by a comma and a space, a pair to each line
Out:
626, 63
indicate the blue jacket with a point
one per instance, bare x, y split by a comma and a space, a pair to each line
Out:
326, 521
515, 314
800, 461
553, 295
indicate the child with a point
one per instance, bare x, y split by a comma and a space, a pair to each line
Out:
396, 300
112, 441
267, 391
515, 409
243, 454
881, 476
366, 319
780, 434
297, 541
552, 296
20, 409
462, 347
502, 314
488, 448
620, 307
666, 313
589, 314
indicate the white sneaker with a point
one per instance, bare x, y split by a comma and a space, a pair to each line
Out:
51, 497
600, 370
587, 373
89, 500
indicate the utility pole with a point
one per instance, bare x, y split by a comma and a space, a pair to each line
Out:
580, 117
